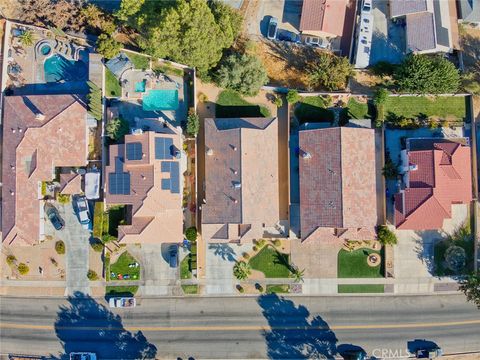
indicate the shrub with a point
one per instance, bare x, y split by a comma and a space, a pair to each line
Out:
92, 275
27, 38
455, 258
108, 46
60, 247
254, 248
385, 236
242, 270
193, 123
261, 243
380, 96
11, 260
259, 287
202, 97
240, 289
246, 256
329, 71
117, 128
277, 242
97, 245
98, 220
383, 68
191, 234
278, 102
293, 97
63, 198
23, 269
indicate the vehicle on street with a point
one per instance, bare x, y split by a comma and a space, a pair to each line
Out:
122, 302
54, 217
428, 353
173, 256
83, 356
83, 213
354, 355
285, 35
272, 28
317, 42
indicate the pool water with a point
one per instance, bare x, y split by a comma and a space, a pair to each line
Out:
58, 68
160, 100
140, 86
45, 49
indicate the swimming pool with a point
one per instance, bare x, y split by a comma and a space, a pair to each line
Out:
140, 86
58, 68
160, 100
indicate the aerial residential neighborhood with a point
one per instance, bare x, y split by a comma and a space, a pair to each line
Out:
236, 179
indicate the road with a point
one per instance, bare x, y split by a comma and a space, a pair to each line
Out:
234, 327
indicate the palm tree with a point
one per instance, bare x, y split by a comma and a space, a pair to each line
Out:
27, 38
297, 273
241, 270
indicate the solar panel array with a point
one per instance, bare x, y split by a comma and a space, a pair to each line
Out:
119, 183
134, 151
163, 148
173, 183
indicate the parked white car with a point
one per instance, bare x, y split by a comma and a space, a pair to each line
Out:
322, 43
122, 302
83, 213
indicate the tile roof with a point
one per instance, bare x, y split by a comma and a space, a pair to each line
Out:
337, 179
405, 7
241, 181
70, 183
324, 15
40, 132
442, 176
420, 31
156, 210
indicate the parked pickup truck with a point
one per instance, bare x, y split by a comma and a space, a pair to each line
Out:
122, 302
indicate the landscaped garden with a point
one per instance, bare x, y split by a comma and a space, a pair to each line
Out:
231, 104
360, 288
278, 289
358, 110
125, 268
271, 262
355, 264
455, 254
190, 289
112, 85
121, 290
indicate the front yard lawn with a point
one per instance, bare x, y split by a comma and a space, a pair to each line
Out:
361, 288
121, 266
277, 289
190, 289
420, 106
121, 290
112, 85
353, 264
230, 104
185, 271
312, 109
271, 262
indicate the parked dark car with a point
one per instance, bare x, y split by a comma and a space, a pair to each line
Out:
354, 355
54, 217
285, 35
272, 28
173, 256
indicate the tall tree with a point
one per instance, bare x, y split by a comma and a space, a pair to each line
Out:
108, 46
329, 71
129, 8
423, 74
228, 19
471, 288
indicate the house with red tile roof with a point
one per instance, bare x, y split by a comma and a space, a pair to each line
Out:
145, 174
242, 192
337, 184
436, 174
40, 133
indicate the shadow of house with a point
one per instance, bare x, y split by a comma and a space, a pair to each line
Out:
84, 325
292, 335
225, 251
385, 49
292, 12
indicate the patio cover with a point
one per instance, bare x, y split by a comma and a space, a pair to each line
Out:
119, 64
92, 185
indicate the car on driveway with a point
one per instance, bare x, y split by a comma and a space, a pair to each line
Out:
285, 35
54, 217
317, 42
173, 256
83, 213
272, 28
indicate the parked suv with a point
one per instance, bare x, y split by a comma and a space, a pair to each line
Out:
285, 35
54, 217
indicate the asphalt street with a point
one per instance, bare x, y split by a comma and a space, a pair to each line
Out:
235, 327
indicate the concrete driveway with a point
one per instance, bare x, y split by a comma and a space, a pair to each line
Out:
317, 258
77, 246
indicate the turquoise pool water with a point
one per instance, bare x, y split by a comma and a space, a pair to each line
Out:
160, 100
140, 86
58, 68
45, 49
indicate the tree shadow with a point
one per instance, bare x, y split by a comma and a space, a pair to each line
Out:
292, 334
225, 251
84, 325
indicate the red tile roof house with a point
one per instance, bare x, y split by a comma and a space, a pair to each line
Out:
40, 133
436, 174
241, 181
144, 173
337, 184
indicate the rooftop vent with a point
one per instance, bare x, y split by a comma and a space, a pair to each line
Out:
237, 185
39, 116
209, 152
306, 155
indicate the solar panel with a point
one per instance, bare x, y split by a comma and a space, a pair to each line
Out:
119, 183
165, 184
174, 177
165, 166
163, 148
134, 151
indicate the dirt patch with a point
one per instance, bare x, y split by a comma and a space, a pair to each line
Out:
471, 48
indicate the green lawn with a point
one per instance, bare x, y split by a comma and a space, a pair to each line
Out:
271, 262
358, 110
185, 272
365, 288
353, 264
112, 86
190, 289
168, 69
312, 109
121, 290
231, 104
121, 267
419, 106
277, 289
140, 62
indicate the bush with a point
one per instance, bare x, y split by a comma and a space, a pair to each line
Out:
191, 234
385, 236
193, 123
242, 73
108, 46
380, 96
278, 102
11, 260
240, 289
23, 269
60, 247
98, 220
117, 128
277, 242
92, 275
63, 198
242, 270
455, 258
94, 98
97, 245
259, 287
383, 68
27, 38
261, 243
254, 248
202, 97
293, 97
329, 71
246, 256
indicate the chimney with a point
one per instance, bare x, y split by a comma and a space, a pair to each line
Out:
209, 152
306, 155
237, 185
39, 116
